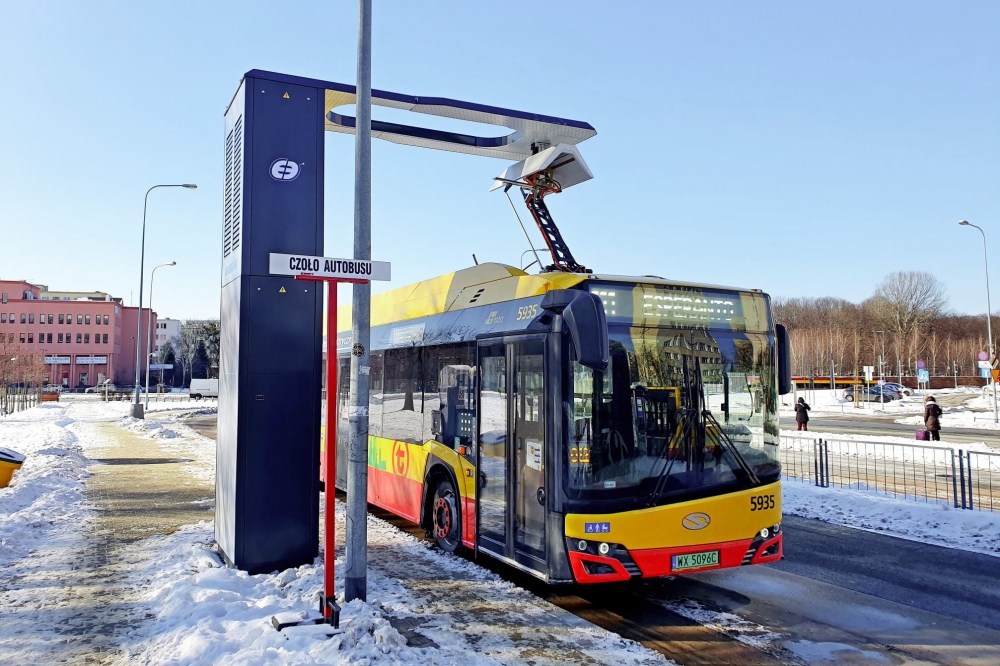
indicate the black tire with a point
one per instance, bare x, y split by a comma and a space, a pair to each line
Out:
446, 517
850, 398
196, 396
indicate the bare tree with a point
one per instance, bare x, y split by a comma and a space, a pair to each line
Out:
907, 299
188, 345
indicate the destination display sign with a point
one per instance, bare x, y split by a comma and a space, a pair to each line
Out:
328, 267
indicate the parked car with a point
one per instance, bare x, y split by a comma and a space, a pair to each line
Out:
204, 388
898, 388
101, 388
869, 394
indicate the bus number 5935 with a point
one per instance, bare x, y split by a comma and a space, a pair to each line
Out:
761, 502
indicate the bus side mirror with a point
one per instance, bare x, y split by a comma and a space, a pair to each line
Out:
583, 313
784, 345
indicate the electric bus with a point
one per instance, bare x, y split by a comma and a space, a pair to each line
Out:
583, 428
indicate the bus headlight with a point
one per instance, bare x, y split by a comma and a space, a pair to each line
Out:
603, 549
582, 545
764, 533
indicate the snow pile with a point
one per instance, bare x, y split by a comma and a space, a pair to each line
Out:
204, 613
901, 449
150, 428
940, 524
46, 492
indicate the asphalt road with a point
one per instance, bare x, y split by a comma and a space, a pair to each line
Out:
859, 597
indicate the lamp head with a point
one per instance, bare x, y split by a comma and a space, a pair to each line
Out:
190, 186
172, 263
963, 223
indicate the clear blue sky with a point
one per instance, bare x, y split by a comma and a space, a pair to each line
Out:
800, 148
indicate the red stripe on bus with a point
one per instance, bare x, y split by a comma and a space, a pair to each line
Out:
395, 493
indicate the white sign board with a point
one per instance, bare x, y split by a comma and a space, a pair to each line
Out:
161, 366
328, 267
985, 364
91, 360
57, 360
869, 371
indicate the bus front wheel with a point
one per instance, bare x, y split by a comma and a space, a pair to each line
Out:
447, 521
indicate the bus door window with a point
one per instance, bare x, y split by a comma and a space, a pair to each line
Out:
529, 436
493, 411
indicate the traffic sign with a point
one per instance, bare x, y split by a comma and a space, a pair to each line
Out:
921, 364
983, 356
328, 267
923, 376
985, 365
869, 371
996, 375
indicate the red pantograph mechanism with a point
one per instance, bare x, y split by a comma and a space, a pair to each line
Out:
543, 184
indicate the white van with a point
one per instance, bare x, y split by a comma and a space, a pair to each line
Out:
204, 388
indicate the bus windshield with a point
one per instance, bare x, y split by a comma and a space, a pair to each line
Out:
678, 413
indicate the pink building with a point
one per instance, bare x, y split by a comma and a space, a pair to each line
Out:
83, 341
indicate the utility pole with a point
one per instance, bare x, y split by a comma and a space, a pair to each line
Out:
356, 574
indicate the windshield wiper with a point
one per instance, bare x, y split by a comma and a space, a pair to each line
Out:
740, 460
696, 417
687, 416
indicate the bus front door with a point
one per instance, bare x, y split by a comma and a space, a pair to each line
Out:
511, 451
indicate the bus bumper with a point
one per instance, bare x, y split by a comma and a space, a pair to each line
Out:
656, 562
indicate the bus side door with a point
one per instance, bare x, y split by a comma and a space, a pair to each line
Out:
511, 450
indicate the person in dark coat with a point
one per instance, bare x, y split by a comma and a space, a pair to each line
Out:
801, 415
932, 418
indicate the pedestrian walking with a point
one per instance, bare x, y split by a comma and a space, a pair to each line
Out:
932, 418
801, 415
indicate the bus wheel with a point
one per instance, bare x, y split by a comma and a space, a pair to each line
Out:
447, 520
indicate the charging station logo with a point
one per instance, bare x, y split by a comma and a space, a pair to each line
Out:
284, 169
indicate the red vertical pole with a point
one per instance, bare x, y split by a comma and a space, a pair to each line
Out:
330, 478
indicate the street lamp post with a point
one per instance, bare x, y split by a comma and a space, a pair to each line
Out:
149, 325
989, 327
881, 371
137, 411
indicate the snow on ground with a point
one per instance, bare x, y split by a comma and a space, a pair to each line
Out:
941, 524
46, 492
199, 612
730, 624
206, 613
963, 416
902, 449
824, 402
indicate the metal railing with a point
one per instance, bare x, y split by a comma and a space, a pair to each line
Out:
965, 479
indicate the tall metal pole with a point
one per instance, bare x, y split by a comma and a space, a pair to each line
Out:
989, 310
137, 406
356, 573
149, 325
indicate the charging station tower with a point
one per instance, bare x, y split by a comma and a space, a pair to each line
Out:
270, 375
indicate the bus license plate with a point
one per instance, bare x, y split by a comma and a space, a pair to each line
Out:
695, 560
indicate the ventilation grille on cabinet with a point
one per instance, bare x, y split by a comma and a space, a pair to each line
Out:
233, 204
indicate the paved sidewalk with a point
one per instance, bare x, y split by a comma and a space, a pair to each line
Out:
138, 487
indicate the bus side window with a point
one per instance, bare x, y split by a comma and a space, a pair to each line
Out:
343, 397
402, 397
455, 421
428, 383
375, 396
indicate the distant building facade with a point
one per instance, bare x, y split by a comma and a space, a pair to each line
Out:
83, 342
167, 330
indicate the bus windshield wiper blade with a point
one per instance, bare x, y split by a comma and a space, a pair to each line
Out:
740, 460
